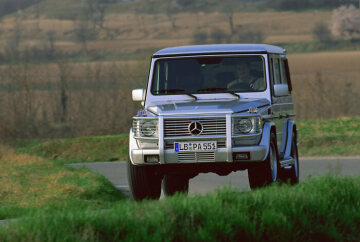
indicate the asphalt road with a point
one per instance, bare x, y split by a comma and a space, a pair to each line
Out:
204, 183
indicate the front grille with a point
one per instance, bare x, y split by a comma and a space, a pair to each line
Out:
196, 156
169, 145
180, 127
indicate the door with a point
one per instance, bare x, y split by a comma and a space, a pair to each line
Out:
282, 106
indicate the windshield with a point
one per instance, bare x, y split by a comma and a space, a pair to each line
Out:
209, 75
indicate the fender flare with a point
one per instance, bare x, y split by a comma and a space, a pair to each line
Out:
291, 128
132, 144
266, 134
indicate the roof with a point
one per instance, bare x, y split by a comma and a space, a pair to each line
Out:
219, 49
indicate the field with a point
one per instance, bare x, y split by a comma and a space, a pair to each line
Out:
93, 98
326, 84
136, 32
55, 83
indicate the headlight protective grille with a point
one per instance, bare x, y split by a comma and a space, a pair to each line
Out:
246, 125
145, 127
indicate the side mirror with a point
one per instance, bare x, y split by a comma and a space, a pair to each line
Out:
138, 94
281, 90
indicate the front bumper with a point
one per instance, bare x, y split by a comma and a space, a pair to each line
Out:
256, 153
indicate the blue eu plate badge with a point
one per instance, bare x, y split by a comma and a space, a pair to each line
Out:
176, 147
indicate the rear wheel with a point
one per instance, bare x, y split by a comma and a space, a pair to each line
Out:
143, 182
175, 183
269, 171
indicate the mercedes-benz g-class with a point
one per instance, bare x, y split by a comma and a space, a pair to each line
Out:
213, 108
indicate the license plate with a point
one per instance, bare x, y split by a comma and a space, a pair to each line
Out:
195, 146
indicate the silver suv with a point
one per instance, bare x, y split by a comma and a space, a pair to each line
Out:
213, 108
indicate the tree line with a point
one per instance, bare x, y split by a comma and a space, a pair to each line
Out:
11, 6
308, 4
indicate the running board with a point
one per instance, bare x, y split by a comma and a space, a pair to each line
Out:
287, 162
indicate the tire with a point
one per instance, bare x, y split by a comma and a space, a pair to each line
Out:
175, 184
269, 171
292, 176
143, 182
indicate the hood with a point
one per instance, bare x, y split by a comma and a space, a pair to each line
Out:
204, 107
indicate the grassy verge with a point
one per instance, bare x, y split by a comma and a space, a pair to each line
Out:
336, 137
31, 183
85, 149
321, 209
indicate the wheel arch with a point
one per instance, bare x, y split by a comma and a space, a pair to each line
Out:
291, 130
268, 129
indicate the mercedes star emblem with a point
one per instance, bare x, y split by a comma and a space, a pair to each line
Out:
196, 128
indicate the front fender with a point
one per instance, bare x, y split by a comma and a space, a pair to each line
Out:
132, 144
266, 134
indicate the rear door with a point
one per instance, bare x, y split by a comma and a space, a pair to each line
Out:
282, 108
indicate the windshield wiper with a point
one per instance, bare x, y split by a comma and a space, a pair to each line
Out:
169, 91
219, 89
234, 94
212, 89
177, 91
191, 95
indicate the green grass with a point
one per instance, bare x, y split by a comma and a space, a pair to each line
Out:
320, 209
335, 137
30, 183
85, 149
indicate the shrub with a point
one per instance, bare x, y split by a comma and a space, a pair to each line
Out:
200, 37
322, 33
218, 36
346, 21
248, 35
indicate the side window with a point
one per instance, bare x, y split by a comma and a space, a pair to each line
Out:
271, 71
284, 77
276, 69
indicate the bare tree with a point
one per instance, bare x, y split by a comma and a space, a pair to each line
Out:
140, 18
12, 45
248, 34
84, 33
171, 10
51, 37
184, 4
346, 22
96, 11
65, 70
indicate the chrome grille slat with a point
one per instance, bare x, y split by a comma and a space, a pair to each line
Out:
196, 156
179, 127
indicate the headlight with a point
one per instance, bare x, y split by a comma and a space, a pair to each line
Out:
246, 125
145, 127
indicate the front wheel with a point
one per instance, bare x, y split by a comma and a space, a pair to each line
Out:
175, 183
143, 182
269, 171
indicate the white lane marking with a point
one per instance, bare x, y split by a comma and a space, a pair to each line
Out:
122, 186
